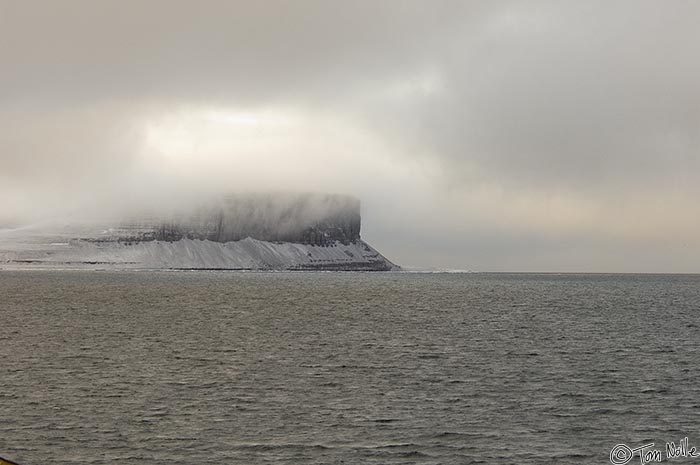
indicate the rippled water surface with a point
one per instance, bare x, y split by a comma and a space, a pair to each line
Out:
228, 368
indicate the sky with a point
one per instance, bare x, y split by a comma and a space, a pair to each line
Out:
488, 135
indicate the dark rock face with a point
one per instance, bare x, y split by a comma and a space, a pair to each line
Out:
316, 219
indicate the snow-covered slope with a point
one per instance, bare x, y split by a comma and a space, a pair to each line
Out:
246, 254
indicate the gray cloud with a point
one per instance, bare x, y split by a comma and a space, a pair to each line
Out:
546, 135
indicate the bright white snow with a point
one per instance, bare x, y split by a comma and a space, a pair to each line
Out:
37, 250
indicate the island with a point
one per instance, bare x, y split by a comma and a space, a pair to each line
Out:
251, 231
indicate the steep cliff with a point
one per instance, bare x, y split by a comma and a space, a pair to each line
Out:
300, 218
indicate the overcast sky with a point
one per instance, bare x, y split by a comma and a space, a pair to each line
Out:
491, 135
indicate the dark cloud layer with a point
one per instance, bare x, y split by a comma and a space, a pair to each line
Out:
538, 135
210, 49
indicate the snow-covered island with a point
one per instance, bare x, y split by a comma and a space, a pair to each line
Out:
290, 232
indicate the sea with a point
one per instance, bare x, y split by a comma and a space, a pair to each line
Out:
353, 368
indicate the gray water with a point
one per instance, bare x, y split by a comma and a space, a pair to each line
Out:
229, 368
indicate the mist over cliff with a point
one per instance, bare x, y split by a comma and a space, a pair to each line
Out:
290, 217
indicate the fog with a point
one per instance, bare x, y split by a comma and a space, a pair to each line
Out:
505, 135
